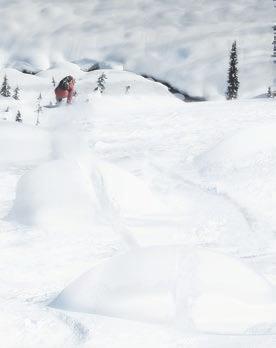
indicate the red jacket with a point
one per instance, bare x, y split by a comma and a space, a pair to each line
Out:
66, 93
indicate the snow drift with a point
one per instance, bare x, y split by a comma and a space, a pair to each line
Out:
243, 167
174, 284
71, 194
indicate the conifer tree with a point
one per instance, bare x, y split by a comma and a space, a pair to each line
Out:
269, 93
38, 109
16, 93
101, 83
18, 117
5, 90
233, 81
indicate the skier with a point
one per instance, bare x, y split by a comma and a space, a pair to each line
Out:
66, 89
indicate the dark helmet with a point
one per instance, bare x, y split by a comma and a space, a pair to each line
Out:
64, 83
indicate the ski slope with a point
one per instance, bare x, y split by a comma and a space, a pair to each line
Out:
186, 43
160, 209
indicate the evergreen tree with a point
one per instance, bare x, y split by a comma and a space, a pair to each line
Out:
16, 93
233, 81
18, 117
5, 90
38, 109
101, 83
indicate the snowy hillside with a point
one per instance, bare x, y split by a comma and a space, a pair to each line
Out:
134, 216
184, 42
130, 218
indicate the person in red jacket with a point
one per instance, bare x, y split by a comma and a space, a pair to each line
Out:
66, 89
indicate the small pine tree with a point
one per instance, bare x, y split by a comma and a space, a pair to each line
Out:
5, 90
101, 83
16, 93
269, 93
38, 109
54, 81
18, 117
233, 81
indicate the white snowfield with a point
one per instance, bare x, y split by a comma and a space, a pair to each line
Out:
184, 42
122, 220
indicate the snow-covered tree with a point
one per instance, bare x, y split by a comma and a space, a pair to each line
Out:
18, 117
53, 81
5, 90
16, 93
233, 81
38, 109
101, 83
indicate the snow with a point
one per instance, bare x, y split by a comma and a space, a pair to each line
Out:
164, 210
229, 165
22, 144
174, 284
167, 40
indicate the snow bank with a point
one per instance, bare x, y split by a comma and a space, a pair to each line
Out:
243, 168
20, 143
172, 284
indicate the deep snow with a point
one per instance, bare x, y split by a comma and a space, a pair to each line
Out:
121, 186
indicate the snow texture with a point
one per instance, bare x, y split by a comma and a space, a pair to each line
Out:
164, 39
159, 209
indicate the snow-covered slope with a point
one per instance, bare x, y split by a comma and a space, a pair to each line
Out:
135, 189
184, 42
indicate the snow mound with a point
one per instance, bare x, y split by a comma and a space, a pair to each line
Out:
59, 70
173, 284
21, 143
121, 83
243, 168
70, 194
55, 197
